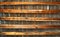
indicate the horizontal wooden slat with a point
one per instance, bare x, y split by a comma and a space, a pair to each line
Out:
28, 11
17, 26
29, 3
30, 18
29, 26
30, 33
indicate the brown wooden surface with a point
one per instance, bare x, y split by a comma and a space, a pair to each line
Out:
28, 11
27, 3
29, 26
30, 18
30, 33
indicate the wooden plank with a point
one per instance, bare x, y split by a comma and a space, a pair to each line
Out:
27, 11
30, 18
29, 26
17, 26
29, 3
30, 33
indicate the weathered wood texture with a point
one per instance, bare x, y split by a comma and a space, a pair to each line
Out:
28, 11
29, 26
30, 18
30, 33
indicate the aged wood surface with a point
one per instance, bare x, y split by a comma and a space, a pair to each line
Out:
27, 3
30, 18
29, 26
30, 33
28, 11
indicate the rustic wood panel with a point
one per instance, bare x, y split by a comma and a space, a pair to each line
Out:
30, 33
30, 18
27, 3
29, 26
28, 11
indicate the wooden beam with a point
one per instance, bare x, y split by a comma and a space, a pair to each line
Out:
30, 33
17, 26
30, 18
28, 11
29, 3
29, 26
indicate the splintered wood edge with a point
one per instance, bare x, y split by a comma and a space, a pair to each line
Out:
29, 26
30, 33
27, 3
30, 18
28, 11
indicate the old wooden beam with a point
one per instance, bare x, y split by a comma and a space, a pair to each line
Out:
28, 11
30, 18
29, 26
29, 3
30, 33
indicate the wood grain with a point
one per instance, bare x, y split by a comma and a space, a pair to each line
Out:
30, 18
29, 3
28, 11
29, 26
30, 33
